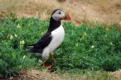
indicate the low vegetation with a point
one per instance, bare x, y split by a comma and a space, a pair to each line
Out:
84, 48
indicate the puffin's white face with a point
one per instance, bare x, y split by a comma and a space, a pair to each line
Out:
59, 15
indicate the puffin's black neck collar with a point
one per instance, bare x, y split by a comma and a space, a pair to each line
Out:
53, 24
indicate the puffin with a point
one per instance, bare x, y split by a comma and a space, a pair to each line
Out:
52, 39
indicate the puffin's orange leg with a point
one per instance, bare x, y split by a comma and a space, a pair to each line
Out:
43, 65
52, 57
49, 66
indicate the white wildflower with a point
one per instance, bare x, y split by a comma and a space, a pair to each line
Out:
16, 35
92, 46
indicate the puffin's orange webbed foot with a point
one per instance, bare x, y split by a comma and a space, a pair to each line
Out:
49, 66
43, 65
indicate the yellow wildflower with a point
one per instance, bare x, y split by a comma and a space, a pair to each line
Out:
120, 23
22, 42
24, 56
11, 37
8, 36
18, 26
111, 43
83, 36
85, 33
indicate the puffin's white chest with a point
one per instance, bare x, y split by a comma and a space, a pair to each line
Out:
57, 38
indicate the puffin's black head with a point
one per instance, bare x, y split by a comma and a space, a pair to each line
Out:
59, 14
56, 17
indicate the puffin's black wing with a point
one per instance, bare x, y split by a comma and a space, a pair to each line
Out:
41, 44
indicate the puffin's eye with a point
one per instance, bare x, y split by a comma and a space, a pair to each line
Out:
59, 13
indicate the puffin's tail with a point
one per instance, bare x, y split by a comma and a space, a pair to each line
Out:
32, 49
35, 51
29, 47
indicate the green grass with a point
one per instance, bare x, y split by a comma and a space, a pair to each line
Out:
83, 49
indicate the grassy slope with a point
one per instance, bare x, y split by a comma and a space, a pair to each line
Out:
82, 11
84, 49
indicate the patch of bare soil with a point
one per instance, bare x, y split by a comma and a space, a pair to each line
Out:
36, 75
44, 75
116, 74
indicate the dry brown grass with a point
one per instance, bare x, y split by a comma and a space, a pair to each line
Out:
81, 11
45, 75
116, 74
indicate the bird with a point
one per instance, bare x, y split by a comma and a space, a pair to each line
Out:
53, 38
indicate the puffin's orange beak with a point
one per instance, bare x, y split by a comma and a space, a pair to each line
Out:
66, 17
